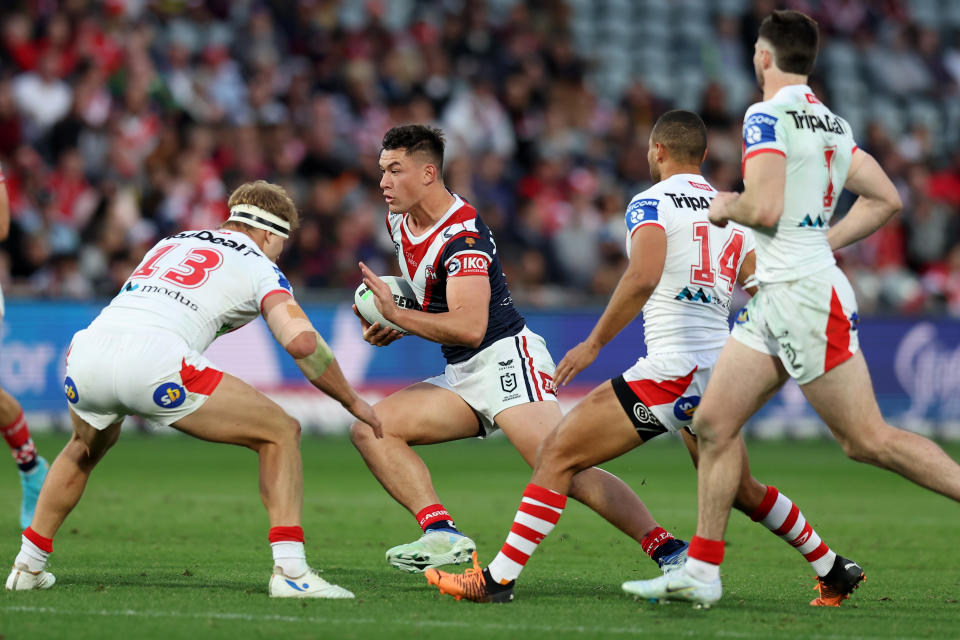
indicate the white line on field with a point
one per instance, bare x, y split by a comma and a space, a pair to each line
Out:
493, 626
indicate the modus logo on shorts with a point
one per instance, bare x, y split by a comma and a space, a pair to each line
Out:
169, 395
684, 407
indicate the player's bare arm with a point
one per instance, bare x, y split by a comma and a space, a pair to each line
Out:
468, 300
294, 331
747, 278
878, 201
647, 255
761, 203
4, 210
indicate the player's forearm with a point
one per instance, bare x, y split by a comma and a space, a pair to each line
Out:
332, 383
461, 327
631, 293
753, 211
865, 216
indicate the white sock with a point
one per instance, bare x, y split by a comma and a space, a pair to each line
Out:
31, 555
290, 557
702, 571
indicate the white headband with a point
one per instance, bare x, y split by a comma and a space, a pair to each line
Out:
260, 218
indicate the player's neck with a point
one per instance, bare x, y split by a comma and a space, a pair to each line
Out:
776, 80
668, 170
428, 211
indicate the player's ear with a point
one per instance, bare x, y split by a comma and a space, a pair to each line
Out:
429, 173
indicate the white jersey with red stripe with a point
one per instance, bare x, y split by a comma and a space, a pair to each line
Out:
196, 285
458, 245
818, 146
690, 307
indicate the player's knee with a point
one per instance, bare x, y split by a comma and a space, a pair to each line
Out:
361, 435
868, 445
554, 454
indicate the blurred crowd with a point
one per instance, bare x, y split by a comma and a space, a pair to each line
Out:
122, 121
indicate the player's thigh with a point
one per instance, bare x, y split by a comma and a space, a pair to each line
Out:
527, 425
742, 381
596, 430
843, 397
424, 413
236, 413
96, 441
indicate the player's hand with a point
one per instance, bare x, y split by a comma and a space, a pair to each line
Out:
382, 295
576, 360
380, 336
362, 410
720, 206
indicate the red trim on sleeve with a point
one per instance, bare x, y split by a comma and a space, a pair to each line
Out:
854, 150
270, 293
202, 381
743, 163
647, 224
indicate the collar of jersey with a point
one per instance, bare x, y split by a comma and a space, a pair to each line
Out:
457, 203
791, 90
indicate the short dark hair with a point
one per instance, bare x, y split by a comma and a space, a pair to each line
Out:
795, 39
683, 134
417, 138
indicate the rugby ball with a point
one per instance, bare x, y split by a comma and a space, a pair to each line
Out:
403, 295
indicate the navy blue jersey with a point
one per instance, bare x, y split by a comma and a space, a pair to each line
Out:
459, 244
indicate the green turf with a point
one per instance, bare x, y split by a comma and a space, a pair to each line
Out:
170, 541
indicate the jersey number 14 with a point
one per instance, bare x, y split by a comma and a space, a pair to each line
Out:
727, 263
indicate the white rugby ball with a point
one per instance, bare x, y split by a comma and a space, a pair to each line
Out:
403, 295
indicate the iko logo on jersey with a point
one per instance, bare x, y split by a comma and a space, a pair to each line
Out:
684, 407
472, 264
169, 395
759, 128
642, 211
70, 390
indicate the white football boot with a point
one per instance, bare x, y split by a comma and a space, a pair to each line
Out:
309, 585
676, 585
433, 549
22, 579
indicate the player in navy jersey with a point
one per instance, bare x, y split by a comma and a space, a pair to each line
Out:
499, 374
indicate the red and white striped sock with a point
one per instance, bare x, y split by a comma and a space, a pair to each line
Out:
778, 513
539, 511
17, 436
34, 550
288, 552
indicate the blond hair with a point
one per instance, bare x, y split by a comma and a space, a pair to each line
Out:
266, 195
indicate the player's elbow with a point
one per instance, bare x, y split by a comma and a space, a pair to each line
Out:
768, 215
473, 337
302, 345
894, 203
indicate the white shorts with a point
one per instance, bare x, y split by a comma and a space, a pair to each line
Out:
809, 324
661, 392
511, 371
153, 375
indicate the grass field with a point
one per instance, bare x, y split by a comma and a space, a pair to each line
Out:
170, 542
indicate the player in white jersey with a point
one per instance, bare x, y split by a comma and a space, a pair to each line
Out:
681, 275
798, 155
499, 373
13, 424
143, 355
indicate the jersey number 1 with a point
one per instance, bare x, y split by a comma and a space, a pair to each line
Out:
729, 260
191, 272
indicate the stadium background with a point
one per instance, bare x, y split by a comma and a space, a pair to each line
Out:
124, 121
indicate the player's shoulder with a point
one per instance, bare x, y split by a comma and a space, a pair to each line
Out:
645, 206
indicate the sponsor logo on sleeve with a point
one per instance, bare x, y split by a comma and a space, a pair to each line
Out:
453, 267
759, 129
642, 211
